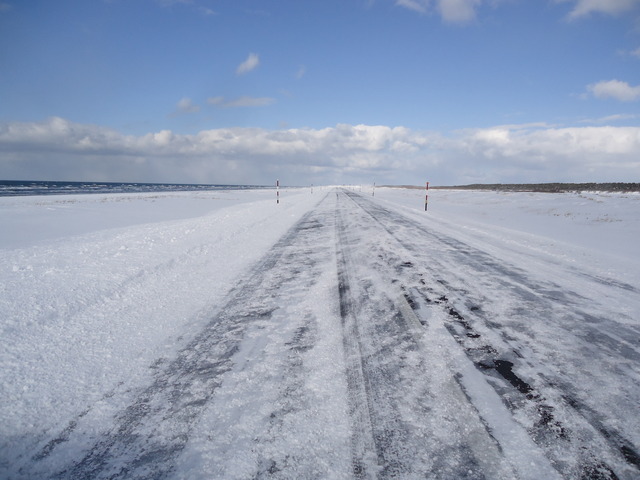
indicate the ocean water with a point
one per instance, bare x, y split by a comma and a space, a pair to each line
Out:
11, 188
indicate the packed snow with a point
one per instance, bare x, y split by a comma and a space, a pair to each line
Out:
106, 297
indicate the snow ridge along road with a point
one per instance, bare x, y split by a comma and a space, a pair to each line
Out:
371, 343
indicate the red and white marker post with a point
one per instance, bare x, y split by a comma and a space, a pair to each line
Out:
277, 191
426, 197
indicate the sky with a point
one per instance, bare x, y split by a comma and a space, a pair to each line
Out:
320, 92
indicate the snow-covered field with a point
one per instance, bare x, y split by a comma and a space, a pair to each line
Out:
335, 335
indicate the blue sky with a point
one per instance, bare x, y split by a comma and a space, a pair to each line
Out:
332, 91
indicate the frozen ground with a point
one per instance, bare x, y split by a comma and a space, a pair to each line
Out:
336, 335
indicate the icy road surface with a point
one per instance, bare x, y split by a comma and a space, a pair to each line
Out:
337, 335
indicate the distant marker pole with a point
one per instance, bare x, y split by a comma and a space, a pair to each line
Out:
426, 197
373, 192
278, 191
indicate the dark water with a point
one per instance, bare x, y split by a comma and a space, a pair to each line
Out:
10, 188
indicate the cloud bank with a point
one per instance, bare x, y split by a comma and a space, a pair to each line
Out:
58, 149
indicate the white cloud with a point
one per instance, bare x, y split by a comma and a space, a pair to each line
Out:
458, 11
464, 11
246, 101
185, 105
420, 6
615, 89
243, 101
59, 149
636, 52
249, 64
215, 100
566, 148
302, 70
618, 117
451, 11
611, 7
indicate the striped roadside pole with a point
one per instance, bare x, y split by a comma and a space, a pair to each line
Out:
426, 197
277, 191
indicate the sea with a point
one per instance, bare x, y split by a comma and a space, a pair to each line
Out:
12, 188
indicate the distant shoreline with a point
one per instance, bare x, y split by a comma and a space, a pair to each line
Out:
536, 187
13, 188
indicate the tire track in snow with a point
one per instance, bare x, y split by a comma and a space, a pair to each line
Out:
384, 443
408, 420
607, 335
519, 394
152, 431
412, 414
282, 410
363, 446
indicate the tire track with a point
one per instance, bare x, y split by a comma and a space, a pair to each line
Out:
363, 445
509, 277
603, 451
151, 432
411, 409
292, 442
402, 428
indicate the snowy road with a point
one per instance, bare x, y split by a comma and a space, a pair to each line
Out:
368, 343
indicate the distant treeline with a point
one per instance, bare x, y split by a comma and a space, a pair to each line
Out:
541, 187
